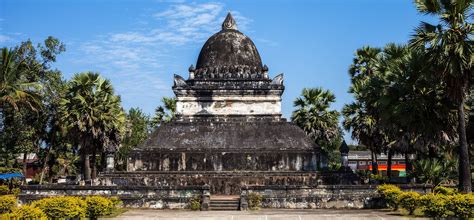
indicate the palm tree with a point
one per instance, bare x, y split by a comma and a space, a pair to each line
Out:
314, 116
92, 115
14, 89
164, 113
449, 45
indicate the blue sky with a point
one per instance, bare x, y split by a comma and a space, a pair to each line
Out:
139, 44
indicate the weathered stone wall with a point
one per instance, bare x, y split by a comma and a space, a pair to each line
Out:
132, 196
220, 160
222, 105
224, 182
323, 196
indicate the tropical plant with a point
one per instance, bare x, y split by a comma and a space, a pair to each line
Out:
434, 171
409, 201
449, 48
93, 117
137, 126
164, 113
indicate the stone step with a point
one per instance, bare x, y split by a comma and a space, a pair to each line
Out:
223, 204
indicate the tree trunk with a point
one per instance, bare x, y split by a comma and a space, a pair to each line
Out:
389, 164
374, 163
94, 164
45, 165
25, 167
408, 168
464, 164
86, 168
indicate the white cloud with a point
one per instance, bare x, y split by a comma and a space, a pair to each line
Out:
138, 61
4, 38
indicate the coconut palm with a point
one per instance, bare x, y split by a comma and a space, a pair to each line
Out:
449, 45
92, 115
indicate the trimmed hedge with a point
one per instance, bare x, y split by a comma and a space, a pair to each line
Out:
99, 206
27, 212
409, 201
443, 202
62, 207
390, 193
4, 190
195, 203
7, 204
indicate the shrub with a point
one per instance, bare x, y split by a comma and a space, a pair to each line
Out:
444, 190
461, 205
4, 190
62, 207
390, 194
434, 205
254, 201
7, 203
28, 212
409, 201
116, 201
195, 203
16, 191
98, 206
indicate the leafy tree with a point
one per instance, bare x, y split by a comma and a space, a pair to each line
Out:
314, 116
449, 46
137, 125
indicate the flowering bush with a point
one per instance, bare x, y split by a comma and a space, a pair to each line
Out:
62, 207
390, 194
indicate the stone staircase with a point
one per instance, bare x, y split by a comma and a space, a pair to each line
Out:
225, 203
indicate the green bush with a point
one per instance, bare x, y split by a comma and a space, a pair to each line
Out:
461, 205
195, 203
444, 190
4, 190
254, 201
390, 194
409, 201
28, 212
116, 201
99, 206
16, 191
7, 203
434, 205
62, 207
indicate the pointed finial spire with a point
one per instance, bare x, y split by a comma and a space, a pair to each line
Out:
229, 23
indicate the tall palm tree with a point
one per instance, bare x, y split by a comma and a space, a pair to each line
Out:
314, 116
92, 115
449, 45
164, 113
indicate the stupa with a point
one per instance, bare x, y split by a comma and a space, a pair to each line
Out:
229, 130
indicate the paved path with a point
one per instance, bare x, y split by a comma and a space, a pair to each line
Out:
267, 214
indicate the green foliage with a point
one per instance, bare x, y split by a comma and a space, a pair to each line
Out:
314, 116
62, 207
434, 205
195, 203
99, 206
409, 201
137, 124
390, 193
164, 113
434, 171
29, 212
16, 191
444, 190
7, 203
379, 177
4, 190
116, 201
461, 205
254, 201
9, 170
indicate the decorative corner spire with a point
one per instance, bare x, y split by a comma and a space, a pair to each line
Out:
229, 23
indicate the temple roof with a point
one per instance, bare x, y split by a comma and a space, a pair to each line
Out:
228, 136
229, 48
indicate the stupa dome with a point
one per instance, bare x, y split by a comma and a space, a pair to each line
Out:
229, 48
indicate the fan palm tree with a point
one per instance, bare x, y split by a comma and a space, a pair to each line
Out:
314, 116
92, 115
449, 45
164, 113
